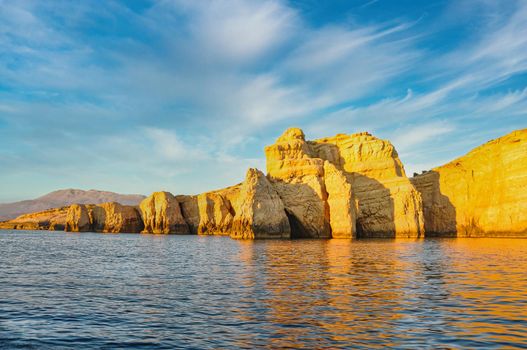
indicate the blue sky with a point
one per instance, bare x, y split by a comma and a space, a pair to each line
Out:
137, 96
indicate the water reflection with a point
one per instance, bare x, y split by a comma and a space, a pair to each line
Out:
213, 292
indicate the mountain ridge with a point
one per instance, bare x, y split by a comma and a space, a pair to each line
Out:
64, 197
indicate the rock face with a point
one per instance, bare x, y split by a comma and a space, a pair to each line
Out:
344, 186
51, 219
341, 203
78, 219
106, 217
216, 214
299, 180
388, 203
63, 198
210, 213
261, 213
481, 194
161, 214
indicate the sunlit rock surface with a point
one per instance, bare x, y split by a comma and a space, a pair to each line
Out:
78, 219
249, 210
343, 186
340, 201
360, 170
161, 214
483, 193
210, 213
388, 203
106, 217
299, 180
51, 219
260, 212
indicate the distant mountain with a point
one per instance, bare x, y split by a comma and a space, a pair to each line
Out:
65, 197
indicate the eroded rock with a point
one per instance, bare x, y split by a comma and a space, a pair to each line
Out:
340, 201
299, 180
261, 213
161, 214
388, 203
106, 217
481, 194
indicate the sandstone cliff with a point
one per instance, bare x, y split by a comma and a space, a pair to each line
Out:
341, 202
106, 217
210, 213
343, 186
51, 219
63, 198
483, 193
321, 182
299, 180
260, 211
388, 203
161, 213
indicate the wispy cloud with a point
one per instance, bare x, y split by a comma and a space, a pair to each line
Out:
194, 88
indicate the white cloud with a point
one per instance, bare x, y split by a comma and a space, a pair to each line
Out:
169, 146
200, 86
406, 139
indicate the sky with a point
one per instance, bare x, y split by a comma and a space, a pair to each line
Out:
138, 96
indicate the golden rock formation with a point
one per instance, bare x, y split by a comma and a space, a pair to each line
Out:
260, 212
210, 213
106, 217
215, 213
299, 180
341, 203
483, 193
115, 218
78, 219
51, 219
388, 203
161, 214
343, 186
320, 197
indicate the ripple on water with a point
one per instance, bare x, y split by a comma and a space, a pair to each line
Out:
143, 291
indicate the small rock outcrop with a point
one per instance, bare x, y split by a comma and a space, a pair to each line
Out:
299, 180
106, 217
190, 211
78, 219
161, 214
50, 219
210, 213
481, 194
261, 213
215, 213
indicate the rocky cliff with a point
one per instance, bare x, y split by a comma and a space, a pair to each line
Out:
388, 204
63, 198
161, 213
249, 210
343, 186
51, 219
298, 177
106, 217
481, 194
260, 212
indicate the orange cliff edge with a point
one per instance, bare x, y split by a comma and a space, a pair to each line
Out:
344, 186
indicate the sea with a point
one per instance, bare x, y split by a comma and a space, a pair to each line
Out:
115, 291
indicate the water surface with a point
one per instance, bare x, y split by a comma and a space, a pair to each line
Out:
113, 291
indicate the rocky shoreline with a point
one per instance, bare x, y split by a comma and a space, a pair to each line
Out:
345, 186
